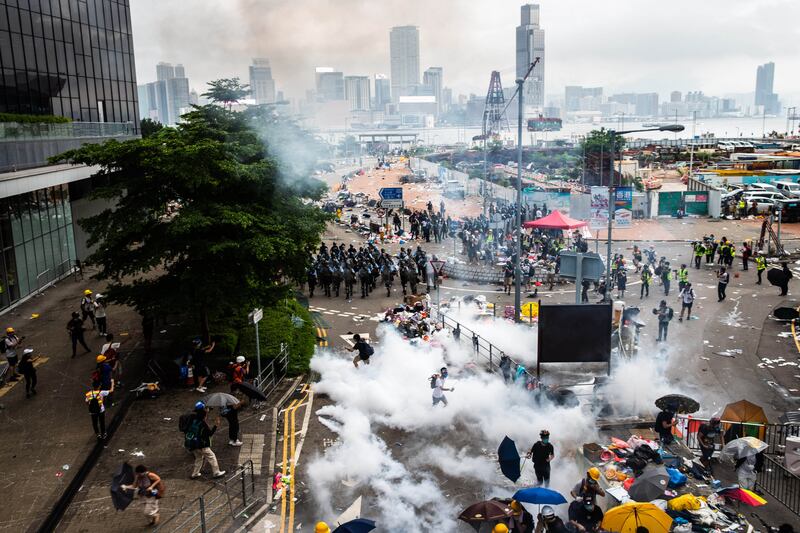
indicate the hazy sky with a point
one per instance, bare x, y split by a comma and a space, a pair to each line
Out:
622, 45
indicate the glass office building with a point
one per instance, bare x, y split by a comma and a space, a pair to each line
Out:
71, 58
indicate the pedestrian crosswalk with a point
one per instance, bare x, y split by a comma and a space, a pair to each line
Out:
334, 312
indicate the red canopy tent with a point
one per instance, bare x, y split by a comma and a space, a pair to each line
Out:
555, 220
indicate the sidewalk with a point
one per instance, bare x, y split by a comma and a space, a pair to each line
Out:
46, 438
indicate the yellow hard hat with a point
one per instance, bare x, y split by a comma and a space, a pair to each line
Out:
594, 473
100, 358
515, 506
87, 292
322, 527
9, 330
500, 528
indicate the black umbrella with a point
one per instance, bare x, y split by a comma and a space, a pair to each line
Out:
122, 498
677, 403
508, 456
359, 525
251, 391
650, 485
776, 276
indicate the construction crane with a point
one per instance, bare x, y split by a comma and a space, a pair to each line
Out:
494, 116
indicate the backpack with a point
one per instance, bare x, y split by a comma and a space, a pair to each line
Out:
185, 422
433, 382
94, 405
368, 350
191, 439
3, 345
670, 313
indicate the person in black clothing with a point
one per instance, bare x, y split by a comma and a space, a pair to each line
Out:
585, 515
27, 369
231, 414
787, 276
541, 454
75, 329
706, 435
201, 445
722, 283
364, 350
547, 521
663, 426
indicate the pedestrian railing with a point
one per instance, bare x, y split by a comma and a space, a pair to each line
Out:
274, 370
779, 483
219, 507
774, 435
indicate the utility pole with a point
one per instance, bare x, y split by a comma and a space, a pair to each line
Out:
691, 146
518, 225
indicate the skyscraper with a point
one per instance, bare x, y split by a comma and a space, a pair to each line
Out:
530, 45
432, 79
165, 71
357, 92
262, 86
765, 76
383, 94
404, 60
330, 85
168, 96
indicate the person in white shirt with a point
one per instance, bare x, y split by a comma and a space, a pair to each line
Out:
100, 314
687, 297
439, 388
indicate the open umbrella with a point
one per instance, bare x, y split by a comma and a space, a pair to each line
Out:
746, 412
122, 498
677, 403
744, 447
508, 456
359, 525
220, 399
745, 496
539, 495
650, 485
251, 391
627, 517
487, 511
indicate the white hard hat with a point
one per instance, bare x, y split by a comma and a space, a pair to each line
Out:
547, 511
240, 359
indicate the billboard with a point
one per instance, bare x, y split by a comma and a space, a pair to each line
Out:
623, 206
599, 208
558, 342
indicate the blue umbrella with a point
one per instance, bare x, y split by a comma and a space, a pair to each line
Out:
539, 495
508, 456
359, 525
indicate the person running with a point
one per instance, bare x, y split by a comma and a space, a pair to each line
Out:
647, 276
364, 350
437, 384
723, 277
28, 371
149, 485
75, 330
665, 314
542, 453
97, 409
687, 297
199, 365
761, 266
10, 345
87, 307
198, 441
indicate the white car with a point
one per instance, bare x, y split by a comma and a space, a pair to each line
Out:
788, 188
762, 187
764, 204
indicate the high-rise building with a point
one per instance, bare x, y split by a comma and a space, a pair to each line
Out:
447, 99
645, 104
432, 79
168, 96
765, 76
165, 71
530, 45
330, 85
262, 86
675, 96
577, 98
383, 93
357, 92
180, 72
404, 60
65, 59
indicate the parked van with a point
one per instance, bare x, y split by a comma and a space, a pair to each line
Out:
762, 187
788, 188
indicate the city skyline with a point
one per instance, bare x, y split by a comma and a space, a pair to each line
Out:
641, 55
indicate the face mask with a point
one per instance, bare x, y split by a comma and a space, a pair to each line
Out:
545, 441
588, 506
592, 482
444, 374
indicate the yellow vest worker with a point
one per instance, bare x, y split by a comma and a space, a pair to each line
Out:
683, 275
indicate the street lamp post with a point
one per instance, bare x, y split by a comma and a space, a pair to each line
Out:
612, 151
518, 219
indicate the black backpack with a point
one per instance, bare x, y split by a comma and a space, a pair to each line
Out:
368, 350
94, 404
185, 422
191, 439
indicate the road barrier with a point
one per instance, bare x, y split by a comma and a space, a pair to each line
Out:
273, 371
779, 483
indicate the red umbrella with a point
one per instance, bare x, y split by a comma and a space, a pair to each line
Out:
555, 220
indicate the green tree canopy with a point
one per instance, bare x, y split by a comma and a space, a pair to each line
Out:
204, 219
226, 91
148, 126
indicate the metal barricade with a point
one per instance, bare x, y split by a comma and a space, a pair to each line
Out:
219, 507
273, 371
779, 483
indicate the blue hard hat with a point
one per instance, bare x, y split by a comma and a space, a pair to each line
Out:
199, 405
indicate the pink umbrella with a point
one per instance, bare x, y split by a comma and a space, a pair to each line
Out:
555, 220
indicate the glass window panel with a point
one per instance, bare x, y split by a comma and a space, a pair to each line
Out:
41, 264
47, 25
44, 215
70, 59
27, 282
6, 232
41, 55
30, 52
55, 8
18, 222
58, 29
3, 18
16, 47
6, 58
45, 5
35, 6
50, 261
36, 24
35, 215
25, 22
24, 4
101, 16
93, 14
71, 244
11, 275
65, 9
83, 13
55, 251
62, 60
13, 20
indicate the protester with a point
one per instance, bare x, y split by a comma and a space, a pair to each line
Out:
665, 421
665, 314
199, 366
647, 276
239, 369
683, 277
622, 282
100, 314
723, 277
97, 409
364, 350
88, 307
505, 367
706, 434
10, 345
747, 469
761, 266
231, 414
149, 485
687, 297
112, 357
542, 453
548, 522
75, 330
585, 515
589, 486
28, 370
787, 275
198, 441
103, 373
437, 384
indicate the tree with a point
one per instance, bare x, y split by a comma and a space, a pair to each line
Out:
204, 220
600, 150
148, 126
226, 91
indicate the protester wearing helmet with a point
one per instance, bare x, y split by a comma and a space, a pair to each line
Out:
547, 521
239, 369
10, 344
541, 454
706, 435
589, 486
585, 515
198, 441
87, 307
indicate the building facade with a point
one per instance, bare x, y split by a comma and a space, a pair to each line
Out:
262, 86
168, 96
432, 80
404, 61
357, 92
330, 86
383, 92
765, 97
530, 45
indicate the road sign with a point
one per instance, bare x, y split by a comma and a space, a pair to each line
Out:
391, 193
392, 204
437, 265
255, 316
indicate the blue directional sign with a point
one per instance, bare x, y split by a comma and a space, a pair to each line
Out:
391, 193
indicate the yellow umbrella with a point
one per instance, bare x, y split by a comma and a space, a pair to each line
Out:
626, 518
530, 309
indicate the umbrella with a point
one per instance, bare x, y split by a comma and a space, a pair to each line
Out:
539, 495
220, 399
251, 391
359, 525
677, 403
120, 497
508, 456
485, 512
650, 485
626, 518
744, 447
555, 220
745, 496
744, 411
776, 276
